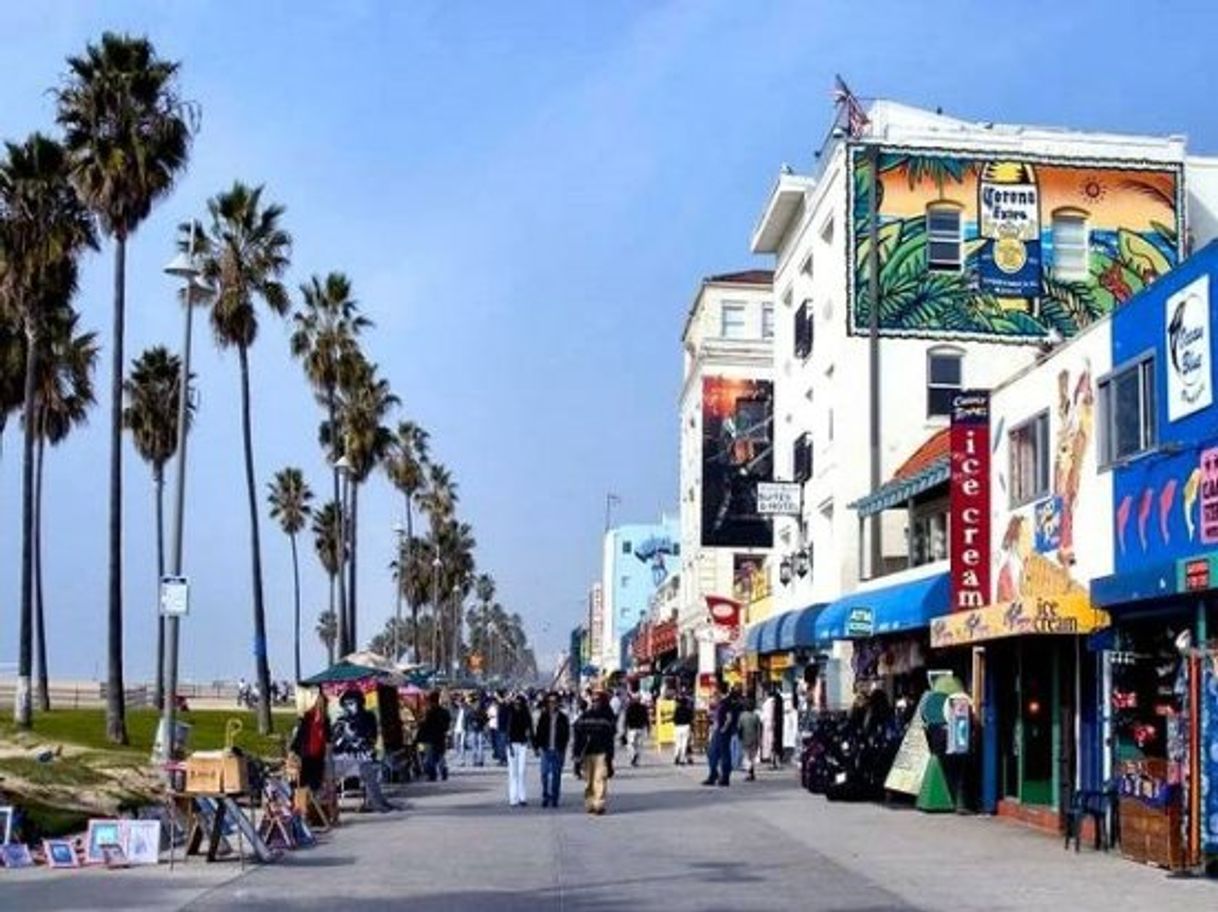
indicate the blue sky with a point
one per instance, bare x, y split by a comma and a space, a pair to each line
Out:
525, 196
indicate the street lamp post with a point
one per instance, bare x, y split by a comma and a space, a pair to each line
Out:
456, 644
436, 564
185, 267
400, 531
345, 646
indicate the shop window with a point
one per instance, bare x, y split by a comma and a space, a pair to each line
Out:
803, 329
1127, 412
1029, 445
944, 248
1071, 250
944, 377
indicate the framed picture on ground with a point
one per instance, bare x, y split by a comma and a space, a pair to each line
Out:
16, 855
60, 853
102, 833
6, 825
143, 842
114, 856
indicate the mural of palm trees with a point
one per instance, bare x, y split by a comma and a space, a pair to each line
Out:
128, 133
405, 465
43, 229
289, 498
248, 252
151, 415
327, 539
64, 395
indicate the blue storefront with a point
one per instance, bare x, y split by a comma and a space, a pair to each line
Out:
1158, 436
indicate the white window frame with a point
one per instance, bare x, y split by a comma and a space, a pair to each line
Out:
767, 320
1080, 272
733, 307
931, 384
1040, 482
1144, 366
956, 264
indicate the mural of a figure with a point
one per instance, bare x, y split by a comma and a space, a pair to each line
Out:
1075, 428
1016, 549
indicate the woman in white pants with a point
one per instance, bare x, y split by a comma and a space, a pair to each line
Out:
519, 742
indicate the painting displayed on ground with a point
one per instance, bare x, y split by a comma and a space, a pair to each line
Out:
1007, 248
737, 452
1037, 547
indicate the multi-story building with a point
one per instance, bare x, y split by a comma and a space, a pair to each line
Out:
636, 560
986, 243
726, 415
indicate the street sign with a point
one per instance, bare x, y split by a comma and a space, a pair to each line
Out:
779, 498
175, 596
860, 623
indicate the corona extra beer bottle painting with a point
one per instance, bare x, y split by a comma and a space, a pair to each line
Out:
1008, 205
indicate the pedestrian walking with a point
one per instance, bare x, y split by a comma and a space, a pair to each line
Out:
637, 722
727, 715
682, 722
777, 723
519, 733
460, 715
477, 731
749, 732
501, 712
595, 732
433, 735
550, 741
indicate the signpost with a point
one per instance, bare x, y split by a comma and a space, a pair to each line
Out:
175, 596
779, 498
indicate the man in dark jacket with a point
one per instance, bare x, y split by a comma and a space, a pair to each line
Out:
550, 741
594, 734
433, 735
638, 719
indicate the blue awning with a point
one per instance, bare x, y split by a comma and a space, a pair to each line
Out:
890, 609
752, 638
1153, 582
803, 631
772, 633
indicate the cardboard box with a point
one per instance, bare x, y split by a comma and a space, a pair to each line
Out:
216, 772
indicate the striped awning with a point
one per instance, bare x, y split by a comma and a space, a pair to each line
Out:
898, 491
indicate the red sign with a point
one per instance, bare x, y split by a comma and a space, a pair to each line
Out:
1209, 496
970, 500
724, 612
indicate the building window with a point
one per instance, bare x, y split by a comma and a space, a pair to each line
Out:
806, 266
943, 249
1127, 412
929, 539
804, 329
802, 460
829, 426
944, 378
767, 320
627, 548
1071, 250
826, 231
1029, 444
732, 321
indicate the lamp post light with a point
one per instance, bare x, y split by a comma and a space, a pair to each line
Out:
456, 656
184, 266
345, 646
785, 571
802, 562
400, 531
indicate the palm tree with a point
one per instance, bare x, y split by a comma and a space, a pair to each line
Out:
43, 229
364, 402
327, 632
454, 542
325, 333
12, 364
327, 536
128, 133
151, 414
484, 589
245, 255
64, 397
289, 499
406, 465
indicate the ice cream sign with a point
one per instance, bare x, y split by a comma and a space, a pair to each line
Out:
1186, 326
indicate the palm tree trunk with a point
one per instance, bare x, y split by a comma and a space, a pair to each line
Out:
40, 630
351, 601
263, 667
330, 643
22, 709
296, 615
116, 710
341, 613
158, 477
402, 559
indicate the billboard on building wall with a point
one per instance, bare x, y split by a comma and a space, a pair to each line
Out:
1004, 246
970, 500
596, 618
737, 453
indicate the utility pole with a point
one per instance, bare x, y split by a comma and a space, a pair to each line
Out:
873, 349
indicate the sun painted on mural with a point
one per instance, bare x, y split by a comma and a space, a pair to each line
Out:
990, 246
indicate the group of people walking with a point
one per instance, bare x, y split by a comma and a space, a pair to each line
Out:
741, 736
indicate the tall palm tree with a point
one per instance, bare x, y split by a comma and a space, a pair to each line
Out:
438, 500
151, 414
246, 254
43, 229
327, 538
64, 397
289, 498
406, 465
327, 632
364, 403
325, 337
12, 364
454, 542
128, 132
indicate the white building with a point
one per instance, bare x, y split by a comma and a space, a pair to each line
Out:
728, 334
993, 240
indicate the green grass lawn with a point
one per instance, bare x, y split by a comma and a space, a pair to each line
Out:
87, 728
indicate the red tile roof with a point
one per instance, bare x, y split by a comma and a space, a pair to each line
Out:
746, 277
936, 447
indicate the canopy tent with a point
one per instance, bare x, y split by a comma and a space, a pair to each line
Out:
346, 670
904, 606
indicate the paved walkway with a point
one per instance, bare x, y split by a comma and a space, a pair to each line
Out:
667, 844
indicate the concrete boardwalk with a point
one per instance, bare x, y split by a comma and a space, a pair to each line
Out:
667, 844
